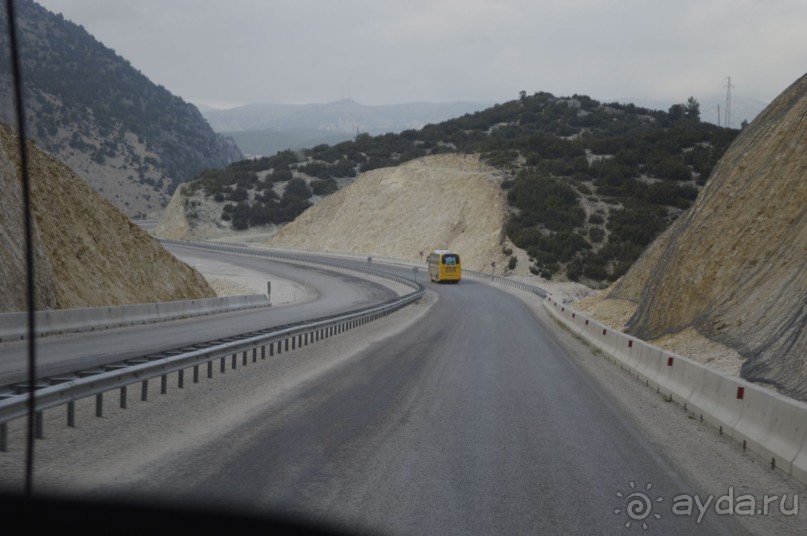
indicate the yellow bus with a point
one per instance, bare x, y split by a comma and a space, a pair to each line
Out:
444, 265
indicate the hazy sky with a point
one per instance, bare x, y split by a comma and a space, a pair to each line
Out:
225, 53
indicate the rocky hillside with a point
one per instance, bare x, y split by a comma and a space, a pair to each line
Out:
734, 267
132, 140
88, 253
589, 185
412, 208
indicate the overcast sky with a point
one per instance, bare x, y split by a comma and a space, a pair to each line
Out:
225, 53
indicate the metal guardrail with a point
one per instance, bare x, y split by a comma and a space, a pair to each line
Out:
96, 383
509, 282
14, 326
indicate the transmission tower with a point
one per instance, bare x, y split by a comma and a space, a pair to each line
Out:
728, 101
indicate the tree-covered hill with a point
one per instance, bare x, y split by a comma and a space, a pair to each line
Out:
94, 110
589, 184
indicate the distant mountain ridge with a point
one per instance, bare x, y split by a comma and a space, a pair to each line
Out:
263, 129
131, 139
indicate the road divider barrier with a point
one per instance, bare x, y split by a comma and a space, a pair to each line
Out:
772, 426
65, 390
14, 326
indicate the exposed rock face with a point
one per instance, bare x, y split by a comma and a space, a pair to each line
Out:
13, 280
88, 253
436, 202
734, 267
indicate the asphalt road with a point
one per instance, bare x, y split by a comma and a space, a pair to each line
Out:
472, 421
66, 353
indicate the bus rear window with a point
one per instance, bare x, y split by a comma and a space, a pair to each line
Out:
451, 259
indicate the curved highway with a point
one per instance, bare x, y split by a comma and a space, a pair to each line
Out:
472, 420
337, 292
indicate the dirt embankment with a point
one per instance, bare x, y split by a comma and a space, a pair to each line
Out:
437, 202
732, 269
88, 253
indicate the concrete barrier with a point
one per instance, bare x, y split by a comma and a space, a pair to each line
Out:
770, 425
756, 419
14, 326
650, 359
678, 377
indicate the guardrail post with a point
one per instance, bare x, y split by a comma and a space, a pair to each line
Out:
287, 344
271, 349
254, 355
71, 414
196, 374
223, 367
244, 358
263, 352
235, 358
99, 405
144, 391
210, 369
180, 378
293, 342
163, 384
3, 437
39, 425
123, 397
